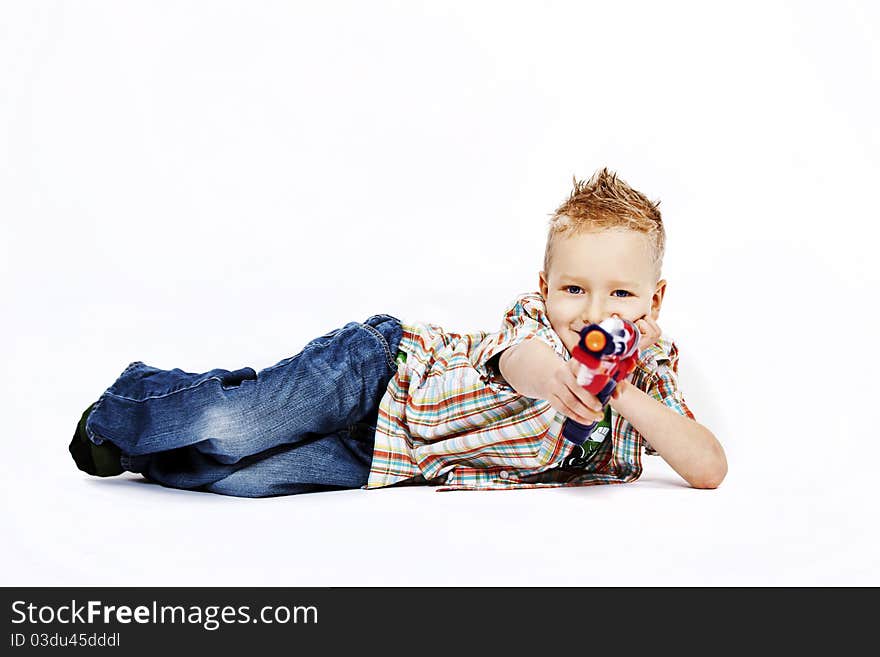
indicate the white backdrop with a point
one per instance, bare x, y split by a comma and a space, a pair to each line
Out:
213, 184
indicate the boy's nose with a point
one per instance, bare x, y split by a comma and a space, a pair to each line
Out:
593, 315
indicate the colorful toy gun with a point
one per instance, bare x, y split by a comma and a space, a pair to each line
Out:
607, 353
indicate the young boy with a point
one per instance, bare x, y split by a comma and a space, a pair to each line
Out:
385, 402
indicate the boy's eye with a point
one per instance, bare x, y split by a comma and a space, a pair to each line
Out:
569, 288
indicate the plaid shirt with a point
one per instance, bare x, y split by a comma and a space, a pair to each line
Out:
447, 417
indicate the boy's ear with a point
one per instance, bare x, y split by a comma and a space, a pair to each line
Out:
542, 284
657, 299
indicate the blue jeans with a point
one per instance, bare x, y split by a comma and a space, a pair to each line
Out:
304, 424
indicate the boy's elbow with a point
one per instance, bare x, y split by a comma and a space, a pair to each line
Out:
713, 473
708, 481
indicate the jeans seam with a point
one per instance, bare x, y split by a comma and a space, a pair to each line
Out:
196, 385
389, 359
290, 359
166, 394
91, 435
381, 338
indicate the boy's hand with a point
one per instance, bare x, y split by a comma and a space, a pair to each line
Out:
649, 331
561, 389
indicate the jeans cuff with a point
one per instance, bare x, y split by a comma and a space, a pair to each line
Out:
135, 463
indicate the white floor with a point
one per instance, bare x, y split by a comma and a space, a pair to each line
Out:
62, 527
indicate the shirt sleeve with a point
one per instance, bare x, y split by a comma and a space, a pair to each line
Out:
525, 319
665, 389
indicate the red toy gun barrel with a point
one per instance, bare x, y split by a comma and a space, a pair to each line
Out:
595, 340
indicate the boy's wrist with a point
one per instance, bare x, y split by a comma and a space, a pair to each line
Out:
622, 396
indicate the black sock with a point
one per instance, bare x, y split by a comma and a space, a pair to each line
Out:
99, 460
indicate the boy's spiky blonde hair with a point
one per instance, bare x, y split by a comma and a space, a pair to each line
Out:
602, 202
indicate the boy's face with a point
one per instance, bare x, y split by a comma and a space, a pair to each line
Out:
596, 274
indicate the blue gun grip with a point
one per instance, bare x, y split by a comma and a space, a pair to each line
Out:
577, 433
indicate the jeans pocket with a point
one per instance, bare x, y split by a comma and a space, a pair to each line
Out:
388, 334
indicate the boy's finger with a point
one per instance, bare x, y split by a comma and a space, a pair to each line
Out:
586, 398
583, 399
567, 410
576, 410
580, 396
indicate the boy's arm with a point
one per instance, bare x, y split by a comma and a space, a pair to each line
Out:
527, 363
686, 445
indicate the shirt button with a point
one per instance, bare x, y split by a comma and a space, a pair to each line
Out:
503, 474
